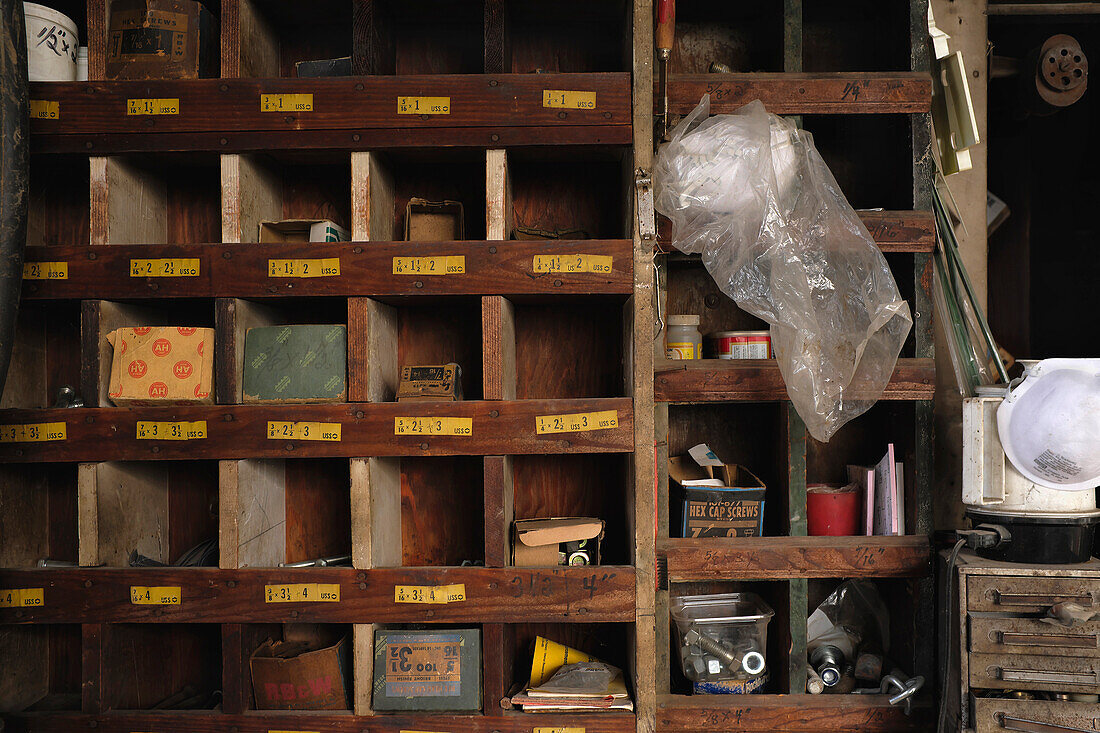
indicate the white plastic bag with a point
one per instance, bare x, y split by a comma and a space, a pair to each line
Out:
752, 195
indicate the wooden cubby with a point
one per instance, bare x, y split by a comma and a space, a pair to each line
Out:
274, 36
566, 37
166, 667
747, 37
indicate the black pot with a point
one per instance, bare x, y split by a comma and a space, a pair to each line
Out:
1043, 540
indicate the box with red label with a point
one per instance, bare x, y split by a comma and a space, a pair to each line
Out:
162, 365
294, 676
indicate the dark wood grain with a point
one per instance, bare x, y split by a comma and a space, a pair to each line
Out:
787, 714
494, 595
441, 510
91, 654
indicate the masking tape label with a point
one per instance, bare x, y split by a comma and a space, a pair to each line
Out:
572, 263
45, 270
302, 593
286, 102
327, 267
443, 265
579, 422
21, 597
33, 433
433, 594
42, 109
170, 267
562, 99
152, 106
559, 730
328, 432
423, 105
162, 595
147, 430
433, 426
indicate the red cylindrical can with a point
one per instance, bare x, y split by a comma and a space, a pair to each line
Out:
833, 511
740, 345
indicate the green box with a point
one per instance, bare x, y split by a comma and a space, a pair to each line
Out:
307, 363
438, 670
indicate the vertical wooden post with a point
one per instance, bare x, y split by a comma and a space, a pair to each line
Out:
796, 518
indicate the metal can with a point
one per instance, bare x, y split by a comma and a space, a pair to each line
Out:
740, 345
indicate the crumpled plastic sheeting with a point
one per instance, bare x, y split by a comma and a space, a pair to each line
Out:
752, 195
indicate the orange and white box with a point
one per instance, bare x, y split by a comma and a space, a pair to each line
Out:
162, 365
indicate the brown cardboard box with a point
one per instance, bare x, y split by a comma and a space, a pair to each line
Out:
442, 383
302, 230
291, 676
433, 221
162, 365
542, 542
716, 499
161, 39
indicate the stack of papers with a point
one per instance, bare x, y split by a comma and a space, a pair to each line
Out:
578, 687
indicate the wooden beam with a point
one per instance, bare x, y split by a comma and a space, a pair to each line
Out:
787, 714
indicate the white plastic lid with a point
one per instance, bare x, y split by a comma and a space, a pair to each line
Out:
683, 320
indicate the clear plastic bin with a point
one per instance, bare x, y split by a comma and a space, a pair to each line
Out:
722, 636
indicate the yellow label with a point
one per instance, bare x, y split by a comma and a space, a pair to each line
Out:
559, 730
33, 433
161, 595
579, 422
680, 350
195, 430
303, 593
45, 270
286, 102
561, 99
417, 731
433, 426
423, 105
152, 106
21, 597
293, 731
171, 267
572, 263
443, 265
328, 267
42, 109
434, 594
328, 432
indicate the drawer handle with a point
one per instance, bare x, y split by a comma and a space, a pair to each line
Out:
1035, 726
1039, 675
1038, 599
1076, 641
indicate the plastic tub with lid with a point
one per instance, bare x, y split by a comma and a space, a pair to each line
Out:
721, 636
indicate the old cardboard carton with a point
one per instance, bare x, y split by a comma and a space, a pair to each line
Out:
291, 676
303, 230
427, 670
433, 221
717, 499
558, 541
300, 363
442, 383
162, 365
161, 39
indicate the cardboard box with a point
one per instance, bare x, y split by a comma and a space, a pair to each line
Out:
558, 541
433, 221
323, 67
301, 363
427, 670
161, 39
303, 230
162, 365
716, 499
441, 383
291, 676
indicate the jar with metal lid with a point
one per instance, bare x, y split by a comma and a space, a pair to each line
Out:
682, 339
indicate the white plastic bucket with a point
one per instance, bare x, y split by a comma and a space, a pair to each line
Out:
82, 64
52, 41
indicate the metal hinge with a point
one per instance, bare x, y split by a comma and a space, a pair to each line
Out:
643, 186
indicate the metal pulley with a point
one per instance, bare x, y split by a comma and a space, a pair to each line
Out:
1062, 72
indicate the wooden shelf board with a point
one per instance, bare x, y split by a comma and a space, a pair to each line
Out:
367, 429
731, 380
787, 713
208, 595
901, 92
766, 558
366, 269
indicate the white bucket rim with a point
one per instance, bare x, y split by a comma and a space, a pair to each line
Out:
47, 13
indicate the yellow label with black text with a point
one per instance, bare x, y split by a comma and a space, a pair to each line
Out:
562, 99
194, 430
21, 597
442, 265
167, 267
579, 422
152, 106
160, 595
327, 267
32, 433
433, 594
302, 593
558, 730
323, 431
433, 426
45, 270
423, 105
572, 263
42, 109
286, 102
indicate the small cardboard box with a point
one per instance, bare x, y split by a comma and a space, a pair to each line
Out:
161, 39
433, 221
427, 670
717, 499
301, 363
302, 230
291, 676
162, 365
441, 383
558, 541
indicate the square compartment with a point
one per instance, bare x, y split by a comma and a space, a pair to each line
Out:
425, 37
45, 353
855, 35
318, 636
568, 36
442, 511
274, 35
870, 157
41, 668
161, 666
38, 514
745, 36
58, 205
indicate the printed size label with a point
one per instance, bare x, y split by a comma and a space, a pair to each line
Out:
433, 594
327, 267
45, 270
152, 106
680, 351
42, 109
323, 431
579, 422
195, 430
423, 105
302, 593
572, 263
286, 102
173, 267
560, 99
21, 597
416, 667
558, 730
33, 433
163, 595
444, 265
433, 426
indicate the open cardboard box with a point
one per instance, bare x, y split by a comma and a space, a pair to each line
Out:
297, 676
302, 230
557, 541
718, 499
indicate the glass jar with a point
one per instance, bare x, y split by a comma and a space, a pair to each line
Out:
682, 339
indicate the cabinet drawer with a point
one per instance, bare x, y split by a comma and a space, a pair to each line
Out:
1034, 716
1032, 636
1034, 672
1028, 595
